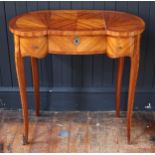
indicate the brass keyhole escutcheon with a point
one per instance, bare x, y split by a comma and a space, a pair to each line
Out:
76, 41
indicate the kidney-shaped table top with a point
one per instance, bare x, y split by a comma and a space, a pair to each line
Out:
76, 22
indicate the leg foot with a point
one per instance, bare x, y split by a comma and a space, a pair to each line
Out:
24, 140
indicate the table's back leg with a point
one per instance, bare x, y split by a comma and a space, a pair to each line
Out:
120, 67
134, 65
22, 87
35, 76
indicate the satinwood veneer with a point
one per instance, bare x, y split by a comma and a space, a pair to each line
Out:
76, 32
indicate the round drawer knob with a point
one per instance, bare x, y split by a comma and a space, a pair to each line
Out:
119, 47
76, 41
35, 47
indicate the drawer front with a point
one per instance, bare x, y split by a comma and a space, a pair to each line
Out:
76, 45
118, 47
35, 47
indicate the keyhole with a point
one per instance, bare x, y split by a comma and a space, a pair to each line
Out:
76, 41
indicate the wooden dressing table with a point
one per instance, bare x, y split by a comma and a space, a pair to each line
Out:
76, 32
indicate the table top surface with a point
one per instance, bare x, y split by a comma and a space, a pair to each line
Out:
76, 22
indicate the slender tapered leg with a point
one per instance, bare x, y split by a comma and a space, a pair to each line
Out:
134, 65
22, 87
35, 77
120, 67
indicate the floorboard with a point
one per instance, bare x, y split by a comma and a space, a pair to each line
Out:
77, 132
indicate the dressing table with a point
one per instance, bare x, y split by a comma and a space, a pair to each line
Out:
76, 32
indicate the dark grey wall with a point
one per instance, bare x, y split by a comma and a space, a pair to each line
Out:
77, 82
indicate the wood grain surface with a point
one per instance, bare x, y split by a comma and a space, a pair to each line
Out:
76, 22
57, 31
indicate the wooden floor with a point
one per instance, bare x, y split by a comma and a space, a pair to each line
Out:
77, 132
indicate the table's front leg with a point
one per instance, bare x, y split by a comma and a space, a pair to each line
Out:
120, 67
35, 77
22, 86
134, 65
